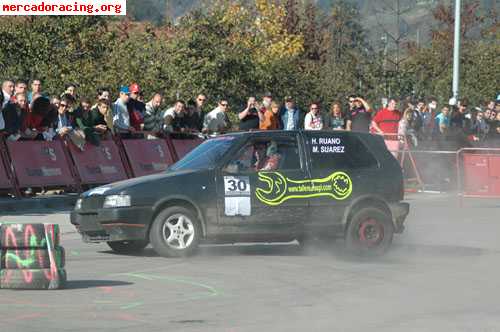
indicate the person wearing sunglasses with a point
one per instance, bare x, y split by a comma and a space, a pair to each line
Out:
64, 127
314, 118
217, 121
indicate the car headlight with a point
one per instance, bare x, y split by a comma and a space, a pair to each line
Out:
113, 201
78, 205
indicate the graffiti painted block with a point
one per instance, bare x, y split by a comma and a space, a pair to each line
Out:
32, 258
29, 235
33, 279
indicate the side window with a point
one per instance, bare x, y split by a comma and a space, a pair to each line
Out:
267, 155
339, 151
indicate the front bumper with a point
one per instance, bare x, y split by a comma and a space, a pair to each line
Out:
119, 224
399, 212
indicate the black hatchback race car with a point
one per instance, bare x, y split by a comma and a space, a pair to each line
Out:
272, 186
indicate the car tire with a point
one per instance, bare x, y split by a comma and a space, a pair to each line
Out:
175, 232
128, 247
369, 232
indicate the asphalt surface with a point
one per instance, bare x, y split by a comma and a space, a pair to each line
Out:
442, 274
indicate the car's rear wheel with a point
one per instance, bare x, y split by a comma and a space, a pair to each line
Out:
128, 246
175, 232
369, 232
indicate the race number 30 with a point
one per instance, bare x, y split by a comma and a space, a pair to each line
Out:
237, 185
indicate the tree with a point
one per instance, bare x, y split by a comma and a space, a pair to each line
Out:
431, 67
56, 49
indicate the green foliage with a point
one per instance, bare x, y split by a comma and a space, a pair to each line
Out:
221, 52
56, 49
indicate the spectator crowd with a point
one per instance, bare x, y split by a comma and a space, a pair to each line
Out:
27, 113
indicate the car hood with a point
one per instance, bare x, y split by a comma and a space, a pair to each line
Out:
127, 185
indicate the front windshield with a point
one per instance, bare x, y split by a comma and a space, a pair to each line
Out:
204, 155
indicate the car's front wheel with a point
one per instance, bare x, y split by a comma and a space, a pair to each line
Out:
369, 232
128, 247
175, 232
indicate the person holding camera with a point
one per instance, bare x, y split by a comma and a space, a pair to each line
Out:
359, 116
249, 118
269, 117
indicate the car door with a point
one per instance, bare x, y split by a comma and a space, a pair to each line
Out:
252, 186
344, 168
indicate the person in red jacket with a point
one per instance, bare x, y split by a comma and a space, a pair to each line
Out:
386, 121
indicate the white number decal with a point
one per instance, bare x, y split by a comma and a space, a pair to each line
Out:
236, 185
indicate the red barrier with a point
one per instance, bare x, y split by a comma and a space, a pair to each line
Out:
4, 178
40, 164
147, 156
184, 146
479, 173
60, 164
98, 164
494, 173
476, 178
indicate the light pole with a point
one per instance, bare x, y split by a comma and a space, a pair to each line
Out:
456, 51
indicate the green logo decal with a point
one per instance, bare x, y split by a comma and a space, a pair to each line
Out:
278, 188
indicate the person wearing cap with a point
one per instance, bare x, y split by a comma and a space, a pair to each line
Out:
290, 117
135, 107
121, 117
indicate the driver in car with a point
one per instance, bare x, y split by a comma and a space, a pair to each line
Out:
273, 158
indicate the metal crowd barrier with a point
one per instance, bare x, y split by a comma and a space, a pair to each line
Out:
474, 172
478, 172
60, 164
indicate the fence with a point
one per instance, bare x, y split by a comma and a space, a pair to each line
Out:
478, 172
60, 164
473, 172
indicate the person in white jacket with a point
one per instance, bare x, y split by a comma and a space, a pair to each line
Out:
313, 119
